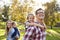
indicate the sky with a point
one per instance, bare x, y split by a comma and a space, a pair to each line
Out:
38, 3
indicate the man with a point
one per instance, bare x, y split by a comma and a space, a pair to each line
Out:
40, 20
35, 33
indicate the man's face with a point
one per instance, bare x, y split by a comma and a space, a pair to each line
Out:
40, 14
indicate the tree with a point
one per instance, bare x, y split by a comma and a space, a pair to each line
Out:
49, 12
18, 12
5, 13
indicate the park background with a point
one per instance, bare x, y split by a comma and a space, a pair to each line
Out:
17, 10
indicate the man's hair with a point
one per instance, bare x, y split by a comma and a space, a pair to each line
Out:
38, 10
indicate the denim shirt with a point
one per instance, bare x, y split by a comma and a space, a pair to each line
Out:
16, 33
10, 33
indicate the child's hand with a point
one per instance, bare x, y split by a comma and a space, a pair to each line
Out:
42, 28
29, 24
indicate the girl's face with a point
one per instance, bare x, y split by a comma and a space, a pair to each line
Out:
9, 24
14, 25
31, 18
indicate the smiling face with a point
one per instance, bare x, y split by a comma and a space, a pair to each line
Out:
40, 15
30, 18
9, 24
13, 24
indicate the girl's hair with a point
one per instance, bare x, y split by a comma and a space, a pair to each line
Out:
7, 29
13, 23
29, 15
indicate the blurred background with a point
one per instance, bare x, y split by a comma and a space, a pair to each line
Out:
17, 10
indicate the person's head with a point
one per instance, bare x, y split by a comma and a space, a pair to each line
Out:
13, 24
40, 14
8, 25
30, 17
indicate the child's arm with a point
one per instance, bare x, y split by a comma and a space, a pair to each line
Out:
45, 26
38, 25
29, 24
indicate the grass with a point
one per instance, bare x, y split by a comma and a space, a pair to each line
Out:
3, 37
52, 34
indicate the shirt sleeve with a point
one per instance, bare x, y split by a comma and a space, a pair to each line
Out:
29, 33
12, 31
26, 24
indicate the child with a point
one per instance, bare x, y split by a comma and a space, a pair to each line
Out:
16, 34
9, 30
31, 22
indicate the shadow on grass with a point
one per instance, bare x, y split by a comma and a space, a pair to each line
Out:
57, 29
2, 37
53, 34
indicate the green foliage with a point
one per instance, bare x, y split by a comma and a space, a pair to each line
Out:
50, 11
18, 12
53, 34
2, 25
0, 17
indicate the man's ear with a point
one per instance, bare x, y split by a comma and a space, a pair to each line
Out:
44, 15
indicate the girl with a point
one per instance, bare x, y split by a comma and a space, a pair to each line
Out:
9, 30
30, 22
16, 34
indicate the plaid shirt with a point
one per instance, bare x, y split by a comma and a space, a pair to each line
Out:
43, 32
33, 33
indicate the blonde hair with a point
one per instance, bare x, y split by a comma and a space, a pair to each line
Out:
6, 28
